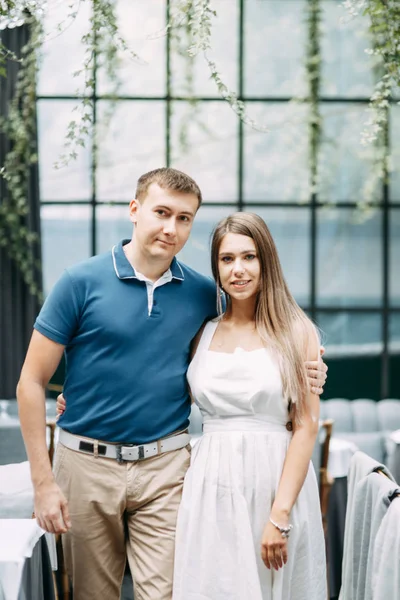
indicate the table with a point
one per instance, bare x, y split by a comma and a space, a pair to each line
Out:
16, 501
340, 454
25, 568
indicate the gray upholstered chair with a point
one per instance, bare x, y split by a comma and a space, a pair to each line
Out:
364, 422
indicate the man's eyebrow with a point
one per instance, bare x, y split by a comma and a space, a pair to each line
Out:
183, 212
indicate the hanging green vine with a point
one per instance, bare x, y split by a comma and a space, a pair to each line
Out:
103, 46
19, 126
313, 70
384, 16
200, 22
181, 38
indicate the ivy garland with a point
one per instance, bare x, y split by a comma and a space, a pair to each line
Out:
313, 70
103, 46
384, 16
20, 128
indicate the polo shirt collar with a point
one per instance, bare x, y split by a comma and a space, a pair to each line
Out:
124, 270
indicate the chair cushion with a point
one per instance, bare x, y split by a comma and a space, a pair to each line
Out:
340, 411
389, 414
372, 442
365, 415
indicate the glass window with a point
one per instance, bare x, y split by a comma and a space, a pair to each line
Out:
63, 53
394, 185
394, 333
65, 239
394, 361
112, 226
394, 257
275, 162
344, 163
349, 334
71, 182
346, 68
349, 252
142, 26
274, 48
204, 145
196, 252
192, 77
132, 143
290, 228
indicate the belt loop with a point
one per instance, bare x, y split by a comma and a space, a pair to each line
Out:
96, 448
159, 446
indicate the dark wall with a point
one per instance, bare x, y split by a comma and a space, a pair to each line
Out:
360, 377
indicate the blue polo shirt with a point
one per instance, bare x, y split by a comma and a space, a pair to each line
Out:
125, 368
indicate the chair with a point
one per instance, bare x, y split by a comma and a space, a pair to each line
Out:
386, 556
389, 414
364, 422
369, 499
325, 480
340, 411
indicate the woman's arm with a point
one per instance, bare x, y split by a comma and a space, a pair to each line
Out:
274, 546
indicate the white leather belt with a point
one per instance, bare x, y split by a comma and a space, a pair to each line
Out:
123, 452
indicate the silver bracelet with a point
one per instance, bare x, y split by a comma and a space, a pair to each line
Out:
285, 531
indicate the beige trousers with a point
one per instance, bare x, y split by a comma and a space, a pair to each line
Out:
121, 511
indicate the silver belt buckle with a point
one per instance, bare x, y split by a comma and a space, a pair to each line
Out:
121, 458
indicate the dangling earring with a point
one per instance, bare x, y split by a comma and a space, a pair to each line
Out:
220, 291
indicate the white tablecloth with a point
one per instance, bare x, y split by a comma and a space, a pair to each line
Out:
18, 538
340, 453
16, 501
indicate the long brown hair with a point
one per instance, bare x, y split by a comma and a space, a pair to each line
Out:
280, 321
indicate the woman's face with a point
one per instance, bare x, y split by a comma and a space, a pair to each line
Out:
239, 266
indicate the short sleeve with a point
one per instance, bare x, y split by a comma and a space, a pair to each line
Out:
59, 316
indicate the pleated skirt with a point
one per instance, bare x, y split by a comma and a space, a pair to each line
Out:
228, 493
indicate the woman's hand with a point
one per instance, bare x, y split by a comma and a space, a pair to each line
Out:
60, 405
273, 547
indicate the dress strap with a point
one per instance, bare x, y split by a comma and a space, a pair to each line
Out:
207, 335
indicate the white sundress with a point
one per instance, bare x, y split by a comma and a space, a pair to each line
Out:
230, 487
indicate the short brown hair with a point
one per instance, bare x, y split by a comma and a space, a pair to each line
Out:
167, 179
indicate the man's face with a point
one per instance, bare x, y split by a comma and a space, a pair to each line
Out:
163, 221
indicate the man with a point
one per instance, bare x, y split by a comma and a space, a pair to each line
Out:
125, 320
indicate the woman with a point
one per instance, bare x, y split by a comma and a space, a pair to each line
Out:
249, 524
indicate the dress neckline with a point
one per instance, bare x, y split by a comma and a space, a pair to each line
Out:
213, 327
237, 349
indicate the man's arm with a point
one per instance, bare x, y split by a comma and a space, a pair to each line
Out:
41, 361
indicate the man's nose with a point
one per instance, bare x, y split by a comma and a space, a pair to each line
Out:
170, 226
